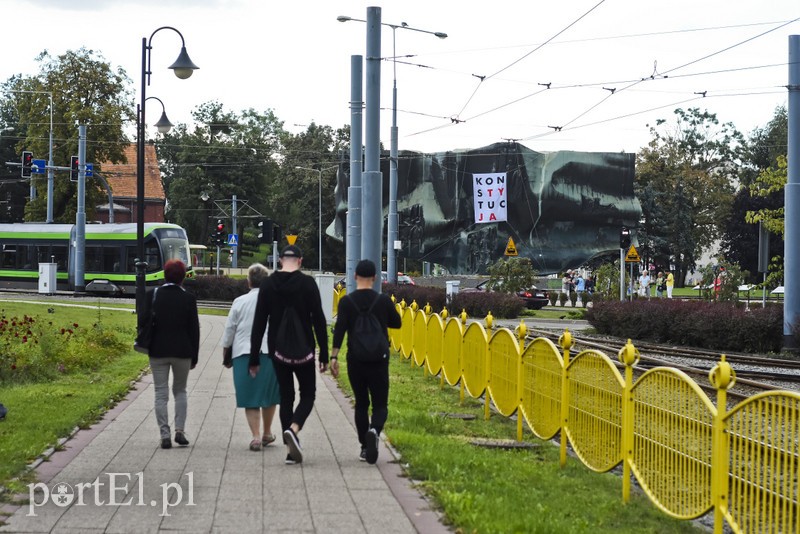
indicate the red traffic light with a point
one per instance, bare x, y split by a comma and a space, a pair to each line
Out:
220, 227
27, 163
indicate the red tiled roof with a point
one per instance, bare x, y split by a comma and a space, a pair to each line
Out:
122, 176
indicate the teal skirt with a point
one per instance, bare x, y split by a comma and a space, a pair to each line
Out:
259, 392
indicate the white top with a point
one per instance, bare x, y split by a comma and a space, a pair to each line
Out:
240, 324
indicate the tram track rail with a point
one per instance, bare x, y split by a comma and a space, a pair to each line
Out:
754, 374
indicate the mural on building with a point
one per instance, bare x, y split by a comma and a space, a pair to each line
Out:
563, 208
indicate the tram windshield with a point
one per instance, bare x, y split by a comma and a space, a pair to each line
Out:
174, 246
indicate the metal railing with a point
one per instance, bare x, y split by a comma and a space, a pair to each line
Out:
690, 455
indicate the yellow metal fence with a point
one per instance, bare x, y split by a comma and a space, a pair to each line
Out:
690, 455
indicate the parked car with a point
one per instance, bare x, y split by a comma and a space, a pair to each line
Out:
533, 297
402, 279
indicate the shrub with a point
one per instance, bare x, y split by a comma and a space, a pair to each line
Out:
553, 296
216, 287
573, 298
562, 298
711, 325
586, 298
434, 296
479, 304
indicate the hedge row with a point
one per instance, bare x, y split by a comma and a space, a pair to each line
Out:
710, 325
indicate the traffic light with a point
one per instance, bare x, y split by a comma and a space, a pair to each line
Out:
220, 234
276, 233
264, 231
625, 238
73, 168
27, 164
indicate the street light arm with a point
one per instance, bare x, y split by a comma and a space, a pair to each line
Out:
402, 26
183, 66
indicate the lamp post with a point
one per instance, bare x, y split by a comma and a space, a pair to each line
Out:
393, 222
319, 172
183, 68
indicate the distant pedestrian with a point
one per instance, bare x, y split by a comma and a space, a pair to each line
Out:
644, 284
368, 373
290, 289
661, 284
670, 283
259, 395
175, 347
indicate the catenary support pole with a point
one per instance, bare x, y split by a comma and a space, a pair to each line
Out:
234, 261
372, 186
353, 238
622, 274
80, 216
791, 260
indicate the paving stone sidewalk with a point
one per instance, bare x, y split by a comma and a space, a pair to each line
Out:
217, 484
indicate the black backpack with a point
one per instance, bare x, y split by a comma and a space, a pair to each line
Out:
291, 342
367, 339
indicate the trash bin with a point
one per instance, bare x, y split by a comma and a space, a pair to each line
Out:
47, 278
325, 285
452, 287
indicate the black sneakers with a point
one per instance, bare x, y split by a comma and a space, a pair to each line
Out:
371, 446
363, 456
180, 438
289, 460
291, 440
166, 443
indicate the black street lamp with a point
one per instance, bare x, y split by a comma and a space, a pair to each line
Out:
183, 68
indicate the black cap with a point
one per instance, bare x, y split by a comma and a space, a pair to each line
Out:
365, 269
291, 252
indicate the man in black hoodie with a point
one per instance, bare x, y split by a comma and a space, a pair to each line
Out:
290, 287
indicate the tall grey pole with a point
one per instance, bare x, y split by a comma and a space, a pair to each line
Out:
372, 187
392, 222
791, 258
622, 274
234, 261
50, 177
80, 216
353, 239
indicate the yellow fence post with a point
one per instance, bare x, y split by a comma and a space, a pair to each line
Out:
463, 317
566, 342
486, 371
722, 376
628, 355
520, 330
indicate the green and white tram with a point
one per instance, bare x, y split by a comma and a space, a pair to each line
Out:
110, 254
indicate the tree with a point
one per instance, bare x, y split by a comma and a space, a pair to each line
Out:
760, 196
224, 154
296, 191
685, 176
511, 275
85, 90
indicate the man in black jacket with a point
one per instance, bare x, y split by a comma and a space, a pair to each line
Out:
368, 377
290, 287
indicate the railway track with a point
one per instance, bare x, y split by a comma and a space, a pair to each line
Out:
754, 374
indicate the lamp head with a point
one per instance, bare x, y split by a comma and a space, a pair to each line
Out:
440, 35
183, 66
204, 196
163, 125
343, 18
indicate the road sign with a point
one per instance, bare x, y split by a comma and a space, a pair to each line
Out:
511, 248
38, 166
233, 240
632, 256
291, 238
89, 170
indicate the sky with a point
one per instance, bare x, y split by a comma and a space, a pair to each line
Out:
585, 75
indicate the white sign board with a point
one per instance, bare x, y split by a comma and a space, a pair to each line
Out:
490, 197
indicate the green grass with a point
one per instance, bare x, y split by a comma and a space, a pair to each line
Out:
42, 413
493, 490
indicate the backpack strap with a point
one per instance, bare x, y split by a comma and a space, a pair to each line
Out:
374, 302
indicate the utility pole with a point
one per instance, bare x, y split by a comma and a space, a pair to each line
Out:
372, 186
80, 216
791, 260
